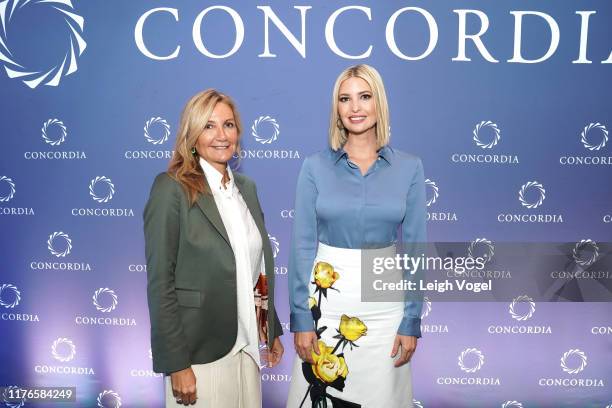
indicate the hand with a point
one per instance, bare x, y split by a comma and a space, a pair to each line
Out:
275, 355
408, 345
305, 343
184, 386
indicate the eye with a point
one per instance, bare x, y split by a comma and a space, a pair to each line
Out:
230, 125
209, 126
366, 96
343, 99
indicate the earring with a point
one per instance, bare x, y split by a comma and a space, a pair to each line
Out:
194, 151
339, 124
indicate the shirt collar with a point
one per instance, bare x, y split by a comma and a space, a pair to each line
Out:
385, 152
213, 177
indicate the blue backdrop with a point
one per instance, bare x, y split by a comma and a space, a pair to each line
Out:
506, 103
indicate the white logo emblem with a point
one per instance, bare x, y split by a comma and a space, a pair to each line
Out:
66, 63
426, 307
512, 404
275, 245
6, 288
109, 194
151, 124
568, 354
54, 123
580, 247
417, 404
496, 134
256, 132
63, 349
11, 185
11, 403
109, 399
67, 244
478, 243
433, 188
478, 363
523, 191
522, 299
585, 132
110, 294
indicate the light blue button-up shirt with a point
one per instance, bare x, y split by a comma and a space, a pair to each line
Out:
338, 206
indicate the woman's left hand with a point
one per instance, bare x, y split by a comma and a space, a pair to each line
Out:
276, 354
408, 345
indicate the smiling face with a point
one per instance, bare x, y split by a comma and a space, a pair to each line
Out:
356, 106
218, 141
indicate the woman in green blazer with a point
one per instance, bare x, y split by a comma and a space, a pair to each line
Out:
210, 266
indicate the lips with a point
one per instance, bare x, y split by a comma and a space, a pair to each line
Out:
357, 119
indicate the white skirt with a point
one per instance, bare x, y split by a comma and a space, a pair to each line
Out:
355, 369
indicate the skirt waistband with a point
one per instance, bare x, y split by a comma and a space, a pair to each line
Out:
353, 255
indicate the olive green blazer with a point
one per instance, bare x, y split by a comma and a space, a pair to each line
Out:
191, 275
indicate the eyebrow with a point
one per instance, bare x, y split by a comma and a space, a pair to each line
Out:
360, 93
226, 120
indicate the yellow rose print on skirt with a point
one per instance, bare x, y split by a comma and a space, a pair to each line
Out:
329, 369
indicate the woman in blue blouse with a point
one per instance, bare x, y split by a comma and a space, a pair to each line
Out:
353, 196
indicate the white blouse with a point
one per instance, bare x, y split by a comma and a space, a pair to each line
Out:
246, 243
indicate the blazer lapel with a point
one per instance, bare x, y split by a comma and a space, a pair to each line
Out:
206, 202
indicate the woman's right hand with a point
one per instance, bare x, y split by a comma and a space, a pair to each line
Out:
184, 386
305, 342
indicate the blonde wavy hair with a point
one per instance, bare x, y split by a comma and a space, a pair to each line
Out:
337, 132
184, 166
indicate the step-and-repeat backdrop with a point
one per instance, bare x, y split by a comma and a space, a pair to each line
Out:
507, 104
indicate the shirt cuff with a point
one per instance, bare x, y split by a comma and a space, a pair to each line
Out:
301, 322
410, 326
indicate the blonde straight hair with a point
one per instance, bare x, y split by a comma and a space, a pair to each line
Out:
184, 166
337, 133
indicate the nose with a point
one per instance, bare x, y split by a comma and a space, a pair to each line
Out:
354, 106
222, 134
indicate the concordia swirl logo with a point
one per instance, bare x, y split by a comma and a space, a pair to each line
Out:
475, 248
512, 404
109, 295
471, 353
417, 404
8, 196
426, 307
275, 245
478, 129
61, 130
64, 65
12, 402
585, 252
109, 193
266, 130
432, 191
582, 361
109, 399
54, 133
67, 247
591, 128
156, 123
524, 316
529, 186
63, 350
267, 137
9, 296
